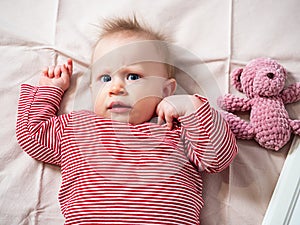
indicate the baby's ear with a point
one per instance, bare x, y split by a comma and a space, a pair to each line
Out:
169, 87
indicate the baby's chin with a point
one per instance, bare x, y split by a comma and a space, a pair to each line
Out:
133, 117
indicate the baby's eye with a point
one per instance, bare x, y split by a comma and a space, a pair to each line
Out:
133, 76
105, 78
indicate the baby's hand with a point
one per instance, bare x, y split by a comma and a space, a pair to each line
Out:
174, 106
58, 76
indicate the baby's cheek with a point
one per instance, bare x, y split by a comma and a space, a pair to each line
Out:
98, 95
97, 90
144, 109
150, 89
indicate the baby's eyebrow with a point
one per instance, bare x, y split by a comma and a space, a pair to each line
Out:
106, 71
100, 71
130, 69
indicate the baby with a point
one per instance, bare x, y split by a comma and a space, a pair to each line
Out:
118, 165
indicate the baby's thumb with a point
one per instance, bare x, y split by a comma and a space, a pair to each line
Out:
160, 120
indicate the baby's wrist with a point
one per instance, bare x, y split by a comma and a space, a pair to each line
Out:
195, 104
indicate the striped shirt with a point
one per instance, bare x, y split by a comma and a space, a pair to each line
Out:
118, 173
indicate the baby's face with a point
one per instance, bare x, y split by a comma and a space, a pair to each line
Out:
125, 89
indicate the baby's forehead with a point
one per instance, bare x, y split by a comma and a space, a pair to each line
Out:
129, 50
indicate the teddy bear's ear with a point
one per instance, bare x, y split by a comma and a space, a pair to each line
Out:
236, 78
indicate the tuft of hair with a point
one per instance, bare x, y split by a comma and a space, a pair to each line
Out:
132, 25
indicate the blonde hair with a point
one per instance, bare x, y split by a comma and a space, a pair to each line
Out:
133, 27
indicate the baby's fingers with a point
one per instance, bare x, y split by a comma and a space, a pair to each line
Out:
165, 117
69, 66
65, 72
57, 71
160, 114
45, 71
51, 71
169, 121
160, 119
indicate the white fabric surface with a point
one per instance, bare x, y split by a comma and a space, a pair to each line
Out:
224, 34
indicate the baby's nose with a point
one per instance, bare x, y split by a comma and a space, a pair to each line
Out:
117, 88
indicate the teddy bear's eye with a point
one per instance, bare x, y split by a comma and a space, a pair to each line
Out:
270, 75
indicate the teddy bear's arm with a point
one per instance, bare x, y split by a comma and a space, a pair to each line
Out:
291, 93
233, 103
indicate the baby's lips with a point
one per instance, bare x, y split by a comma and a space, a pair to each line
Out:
118, 104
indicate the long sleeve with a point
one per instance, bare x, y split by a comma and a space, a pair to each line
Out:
208, 140
39, 130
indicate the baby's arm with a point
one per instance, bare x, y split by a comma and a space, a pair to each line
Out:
58, 76
39, 131
208, 140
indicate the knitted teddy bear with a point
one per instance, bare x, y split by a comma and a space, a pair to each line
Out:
262, 80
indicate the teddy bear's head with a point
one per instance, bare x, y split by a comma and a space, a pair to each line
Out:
260, 77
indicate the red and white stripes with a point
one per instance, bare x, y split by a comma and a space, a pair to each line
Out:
117, 173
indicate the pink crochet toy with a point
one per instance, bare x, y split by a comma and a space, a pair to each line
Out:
262, 80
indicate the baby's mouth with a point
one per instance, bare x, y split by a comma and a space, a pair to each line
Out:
119, 107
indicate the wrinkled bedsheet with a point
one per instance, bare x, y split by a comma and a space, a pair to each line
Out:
218, 35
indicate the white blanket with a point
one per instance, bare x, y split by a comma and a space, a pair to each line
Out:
223, 34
